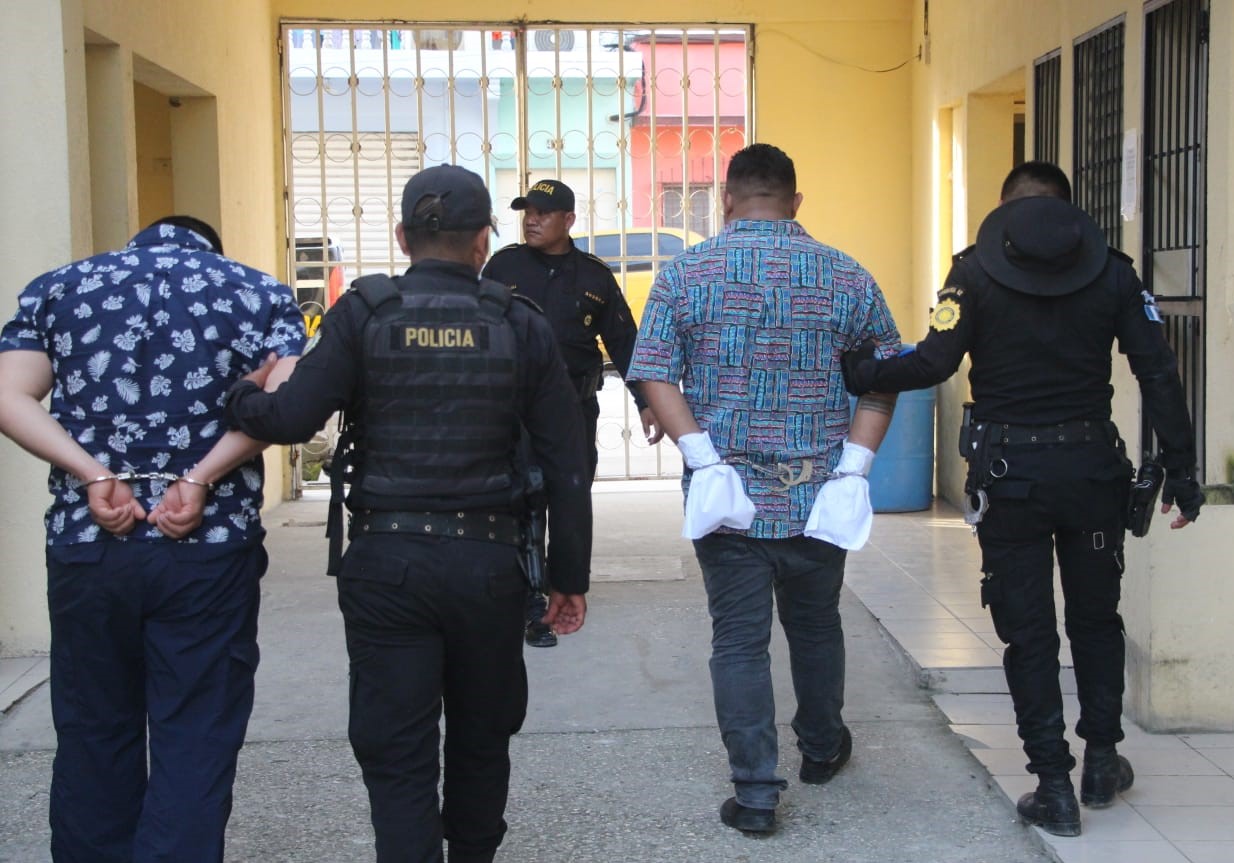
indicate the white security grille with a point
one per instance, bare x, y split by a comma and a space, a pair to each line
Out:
639, 122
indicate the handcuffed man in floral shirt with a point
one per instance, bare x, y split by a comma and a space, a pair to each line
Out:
154, 539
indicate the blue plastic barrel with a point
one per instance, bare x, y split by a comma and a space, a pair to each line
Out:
902, 479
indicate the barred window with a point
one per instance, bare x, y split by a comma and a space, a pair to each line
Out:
1098, 128
1175, 187
1047, 75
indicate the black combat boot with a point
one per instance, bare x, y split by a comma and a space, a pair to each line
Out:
1053, 806
1105, 773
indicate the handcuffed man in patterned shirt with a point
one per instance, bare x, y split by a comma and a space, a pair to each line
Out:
154, 540
752, 324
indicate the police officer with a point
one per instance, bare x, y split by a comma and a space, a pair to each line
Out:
582, 300
437, 370
1037, 304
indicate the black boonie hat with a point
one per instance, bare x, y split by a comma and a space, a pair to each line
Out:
446, 198
1041, 245
546, 195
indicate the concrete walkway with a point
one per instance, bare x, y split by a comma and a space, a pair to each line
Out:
619, 759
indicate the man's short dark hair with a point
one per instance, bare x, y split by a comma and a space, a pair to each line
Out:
444, 245
761, 170
1034, 178
195, 225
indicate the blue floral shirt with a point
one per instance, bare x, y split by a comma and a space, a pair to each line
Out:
144, 343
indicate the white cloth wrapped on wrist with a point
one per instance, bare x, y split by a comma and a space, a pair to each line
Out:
842, 514
716, 497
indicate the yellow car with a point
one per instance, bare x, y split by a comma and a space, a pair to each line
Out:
636, 263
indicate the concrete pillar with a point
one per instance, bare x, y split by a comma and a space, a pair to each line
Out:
44, 182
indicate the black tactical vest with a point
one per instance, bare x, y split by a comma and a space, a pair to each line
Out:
439, 416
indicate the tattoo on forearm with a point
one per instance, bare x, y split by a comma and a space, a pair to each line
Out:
880, 403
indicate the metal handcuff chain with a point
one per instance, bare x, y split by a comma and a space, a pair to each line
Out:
133, 476
784, 472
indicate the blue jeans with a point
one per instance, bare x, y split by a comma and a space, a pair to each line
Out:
740, 575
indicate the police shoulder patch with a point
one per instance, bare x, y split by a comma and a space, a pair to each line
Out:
946, 315
1150, 308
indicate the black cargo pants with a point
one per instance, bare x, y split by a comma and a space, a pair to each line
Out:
1073, 507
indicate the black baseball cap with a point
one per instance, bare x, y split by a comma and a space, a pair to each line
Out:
446, 198
546, 195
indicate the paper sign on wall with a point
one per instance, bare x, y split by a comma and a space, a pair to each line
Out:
1130, 200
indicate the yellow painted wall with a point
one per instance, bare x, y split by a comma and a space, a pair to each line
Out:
155, 197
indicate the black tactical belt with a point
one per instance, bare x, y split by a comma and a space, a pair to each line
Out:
483, 526
1074, 431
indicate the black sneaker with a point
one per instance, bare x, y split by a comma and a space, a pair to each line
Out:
1105, 774
540, 634
820, 772
746, 818
1052, 807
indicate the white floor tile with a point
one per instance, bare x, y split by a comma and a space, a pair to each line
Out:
1222, 759
1002, 762
1119, 822
976, 709
1200, 791
1215, 740
988, 736
1207, 852
1192, 823
1088, 850
1169, 762
946, 657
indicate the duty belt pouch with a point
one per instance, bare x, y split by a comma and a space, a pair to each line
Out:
966, 442
588, 384
1143, 498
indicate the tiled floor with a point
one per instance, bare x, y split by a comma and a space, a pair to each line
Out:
919, 577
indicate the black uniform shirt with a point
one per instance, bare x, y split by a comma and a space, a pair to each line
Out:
329, 377
581, 299
1043, 360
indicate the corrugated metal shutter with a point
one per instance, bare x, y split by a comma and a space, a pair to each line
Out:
354, 192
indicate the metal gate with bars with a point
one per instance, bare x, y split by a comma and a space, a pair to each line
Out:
639, 121
1176, 187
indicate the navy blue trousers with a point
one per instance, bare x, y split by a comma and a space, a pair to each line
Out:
152, 644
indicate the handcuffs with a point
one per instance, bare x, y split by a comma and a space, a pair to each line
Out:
781, 471
977, 502
132, 476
